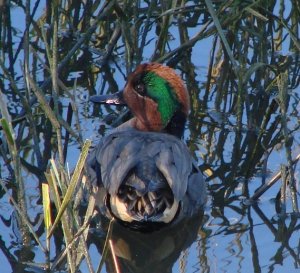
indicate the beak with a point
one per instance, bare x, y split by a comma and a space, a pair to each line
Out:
114, 99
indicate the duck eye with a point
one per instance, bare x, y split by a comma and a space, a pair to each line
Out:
140, 88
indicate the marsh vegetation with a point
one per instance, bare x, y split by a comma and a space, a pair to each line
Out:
240, 63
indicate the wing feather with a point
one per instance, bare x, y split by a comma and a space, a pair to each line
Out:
121, 151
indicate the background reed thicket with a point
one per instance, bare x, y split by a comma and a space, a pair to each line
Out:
244, 105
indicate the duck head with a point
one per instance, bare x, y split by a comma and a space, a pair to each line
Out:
157, 98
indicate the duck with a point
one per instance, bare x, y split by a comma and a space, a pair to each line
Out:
144, 174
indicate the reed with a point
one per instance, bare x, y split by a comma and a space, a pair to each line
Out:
244, 102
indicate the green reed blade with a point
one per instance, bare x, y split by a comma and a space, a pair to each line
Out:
7, 131
73, 183
46, 206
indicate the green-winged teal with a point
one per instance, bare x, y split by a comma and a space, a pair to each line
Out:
145, 175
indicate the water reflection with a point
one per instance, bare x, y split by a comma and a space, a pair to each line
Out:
148, 252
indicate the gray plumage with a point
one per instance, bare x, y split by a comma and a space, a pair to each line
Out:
128, 164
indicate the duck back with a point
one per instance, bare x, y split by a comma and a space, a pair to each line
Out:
145, 177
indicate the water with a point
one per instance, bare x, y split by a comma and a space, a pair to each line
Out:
230, 235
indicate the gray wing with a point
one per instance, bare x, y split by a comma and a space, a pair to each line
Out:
119, 152
196, 195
